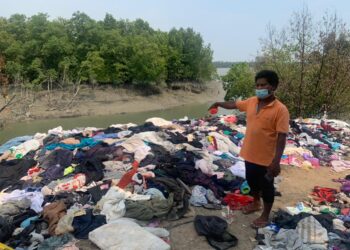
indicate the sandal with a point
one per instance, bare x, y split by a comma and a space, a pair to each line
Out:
249, 209
259, 224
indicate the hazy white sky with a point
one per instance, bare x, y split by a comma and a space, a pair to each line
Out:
232, 27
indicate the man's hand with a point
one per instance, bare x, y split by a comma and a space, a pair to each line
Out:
274, 169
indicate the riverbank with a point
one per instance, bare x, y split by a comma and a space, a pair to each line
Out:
109, 101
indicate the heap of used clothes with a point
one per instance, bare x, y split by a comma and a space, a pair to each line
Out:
322, 222
313, 143
64, 186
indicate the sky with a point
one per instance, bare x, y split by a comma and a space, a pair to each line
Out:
233, 28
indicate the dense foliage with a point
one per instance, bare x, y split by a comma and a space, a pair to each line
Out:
39, 51
313, 62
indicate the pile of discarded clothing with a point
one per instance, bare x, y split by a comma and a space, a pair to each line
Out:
85, 183
322, 222
313, 143
115, 184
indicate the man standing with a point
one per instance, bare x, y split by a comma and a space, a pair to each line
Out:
264, 142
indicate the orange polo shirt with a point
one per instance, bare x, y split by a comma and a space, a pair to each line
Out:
259, 145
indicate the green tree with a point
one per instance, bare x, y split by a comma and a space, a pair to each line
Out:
239, 82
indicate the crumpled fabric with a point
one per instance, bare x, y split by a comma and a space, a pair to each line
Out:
53, 213
147, 210
14, 142
311, 231
36, 198
86, 223
112, 204
124, 234
86, 142
160, 122
339, 166
205, 167
14, 207
24, 148
64, 225
54, 242
224, 143
198, 196
284, 239
58, 157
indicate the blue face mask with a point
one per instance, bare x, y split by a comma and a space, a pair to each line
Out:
262, 93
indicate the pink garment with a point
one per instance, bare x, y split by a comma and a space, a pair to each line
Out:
339, 166
314, 161
291, 160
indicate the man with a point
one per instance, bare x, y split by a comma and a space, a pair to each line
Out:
264, 142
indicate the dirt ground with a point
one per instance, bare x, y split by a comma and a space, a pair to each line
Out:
296, 185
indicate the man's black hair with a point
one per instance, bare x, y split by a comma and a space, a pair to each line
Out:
270, 75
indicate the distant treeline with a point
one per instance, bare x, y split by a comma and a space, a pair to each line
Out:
222, 64
35, 51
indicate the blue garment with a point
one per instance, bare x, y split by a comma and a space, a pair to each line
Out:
27, 222
105, 136
14, 142
86, 142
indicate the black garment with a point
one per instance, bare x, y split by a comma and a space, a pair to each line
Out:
176, 138
196, 143
84, 224
12, 171
284, 220
104, 152
92, 168
6, 229
58, 157
100, 190
148, 126
159, 157
50, 139
111, 130
257, 181
191, 176
215, 230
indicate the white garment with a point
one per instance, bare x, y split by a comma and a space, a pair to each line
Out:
25, 147
112, 204
124, 133
205, 166
123, 126
36, 198
238, 169
225, 144
150, 136
311, 231
124, 234
339, 224
159, 122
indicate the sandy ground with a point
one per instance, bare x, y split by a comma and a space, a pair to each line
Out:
108, 101
296, 185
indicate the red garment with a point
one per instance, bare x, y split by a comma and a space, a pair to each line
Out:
324, 194
237, 201
230, 119
126, 179
328, 127
345, 211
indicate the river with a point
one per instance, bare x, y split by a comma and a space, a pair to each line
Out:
31, 127
42, 126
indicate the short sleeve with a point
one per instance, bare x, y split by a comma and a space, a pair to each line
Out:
282, 124
243, 105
